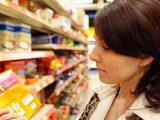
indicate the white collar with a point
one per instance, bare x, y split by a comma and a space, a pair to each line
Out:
138, 107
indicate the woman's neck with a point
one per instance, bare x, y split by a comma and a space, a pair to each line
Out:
126, 89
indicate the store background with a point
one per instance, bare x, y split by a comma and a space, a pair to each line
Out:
47, 44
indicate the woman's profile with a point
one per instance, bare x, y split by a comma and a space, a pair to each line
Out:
127, 55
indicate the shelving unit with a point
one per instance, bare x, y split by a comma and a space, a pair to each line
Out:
68, 81
56, 47
43, 82
16, 13
56, 6
70, 65
44, 112
8, 56
9, 9
79, 82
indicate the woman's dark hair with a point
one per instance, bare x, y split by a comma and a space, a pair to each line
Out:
132, 28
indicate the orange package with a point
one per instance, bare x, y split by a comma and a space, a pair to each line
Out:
18, 67
16, 97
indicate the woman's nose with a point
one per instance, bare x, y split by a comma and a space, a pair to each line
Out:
94, 56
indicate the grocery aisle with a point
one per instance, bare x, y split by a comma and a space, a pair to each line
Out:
44, 58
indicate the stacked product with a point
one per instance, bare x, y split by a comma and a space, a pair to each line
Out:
15, 37
26, 70
31, 73
62, 113
50, 39
48, 15
17, 66
55, 39
46, 66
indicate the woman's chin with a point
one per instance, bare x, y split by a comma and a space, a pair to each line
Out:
106, 81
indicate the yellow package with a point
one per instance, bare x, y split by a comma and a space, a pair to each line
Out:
16, 97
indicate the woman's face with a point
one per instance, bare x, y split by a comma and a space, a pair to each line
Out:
112, 67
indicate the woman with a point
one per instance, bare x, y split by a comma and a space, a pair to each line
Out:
127, 55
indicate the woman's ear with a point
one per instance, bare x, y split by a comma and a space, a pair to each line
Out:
145, 60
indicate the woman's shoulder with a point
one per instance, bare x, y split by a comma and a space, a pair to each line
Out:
139, 107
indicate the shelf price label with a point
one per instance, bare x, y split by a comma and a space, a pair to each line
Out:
44, 84
1, 59
58, 71
4, 2
45, 118
38, 88
50, 80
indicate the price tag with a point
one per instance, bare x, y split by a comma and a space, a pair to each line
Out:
50, 80
45, 118
38, 88
1, 59
55, 47
44, 84
4, 2
57, 92
58, 71
29, 14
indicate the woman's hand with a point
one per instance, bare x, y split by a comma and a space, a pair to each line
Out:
5, 115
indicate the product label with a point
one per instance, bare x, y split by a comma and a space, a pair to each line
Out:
7, 83
27, 99
20, 111
15, 105
33, 106
11, 110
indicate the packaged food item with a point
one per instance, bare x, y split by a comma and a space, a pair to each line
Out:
17, 67
43, 65
23, 3
14, 1
66, 24
51, 39
56, 19
69, 42
7, 36
65, 112
23, 38
20, 101
47, 14
32, 6
31, 74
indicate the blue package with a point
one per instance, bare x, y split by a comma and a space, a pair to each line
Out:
46, 40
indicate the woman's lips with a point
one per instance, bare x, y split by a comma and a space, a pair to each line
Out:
100, 69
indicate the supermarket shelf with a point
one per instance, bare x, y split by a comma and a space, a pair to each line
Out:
42, 83
68, 81
56, 47
77, 85
10, 9
76, 100
8, 56
56, 6
70, 65
44, 112
78, 96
